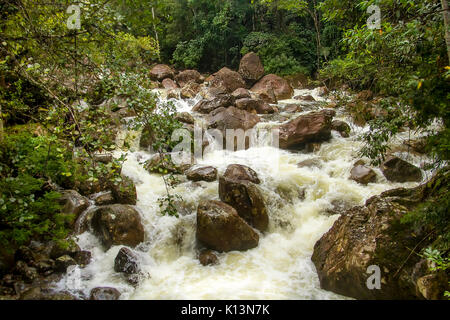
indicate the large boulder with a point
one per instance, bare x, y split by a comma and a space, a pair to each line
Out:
206, 106
232, 118
185, 117
280, 87
161, 72
118, 225
186, 76
227, 80
241, 172
247, 199
208, 174
398, 170
312, 127
220, 228
254, 106
251, 68
374, 235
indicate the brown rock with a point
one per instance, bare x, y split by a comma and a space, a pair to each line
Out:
206, 106
185, 117
208, 174
292, 108
280, 87
251, 68
363, 174
241, 93
232, 118
312, 127
373, 235
398, 170
190, 90
309, 98
118, 225
227, 80
104, 294
241, 172
186, 76
220, 228
169, 84
161, 72
247, 199
254, 105
208, 257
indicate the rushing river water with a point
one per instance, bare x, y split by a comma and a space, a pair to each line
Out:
300, 203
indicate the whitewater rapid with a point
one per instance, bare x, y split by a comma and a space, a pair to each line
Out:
300, 203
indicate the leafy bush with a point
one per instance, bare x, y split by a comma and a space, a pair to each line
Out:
28, 208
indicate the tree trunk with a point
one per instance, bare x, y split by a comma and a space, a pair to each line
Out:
156, 32
2, 86
446, 13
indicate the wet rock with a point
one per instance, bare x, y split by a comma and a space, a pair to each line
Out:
227, 80
280, 87
169, 84
62, 263
206, 106
308, 97
83, 258
45, 266
373, 235
251, 68
342, 127
124, 192
292, 108
207, 258
190, 90
254, 105
105, 294
247, 199
363, 174
267, 94
103, 198
173, 94
103, 157
309, 128
313, 147
208, 174
220, 228
126, 262
185, 117
310, 163
241, 172
61, 248
186, 76
161, 72
73, 204
163, 164
241, 93
398, 170
118, 225
232, 118
25, 254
